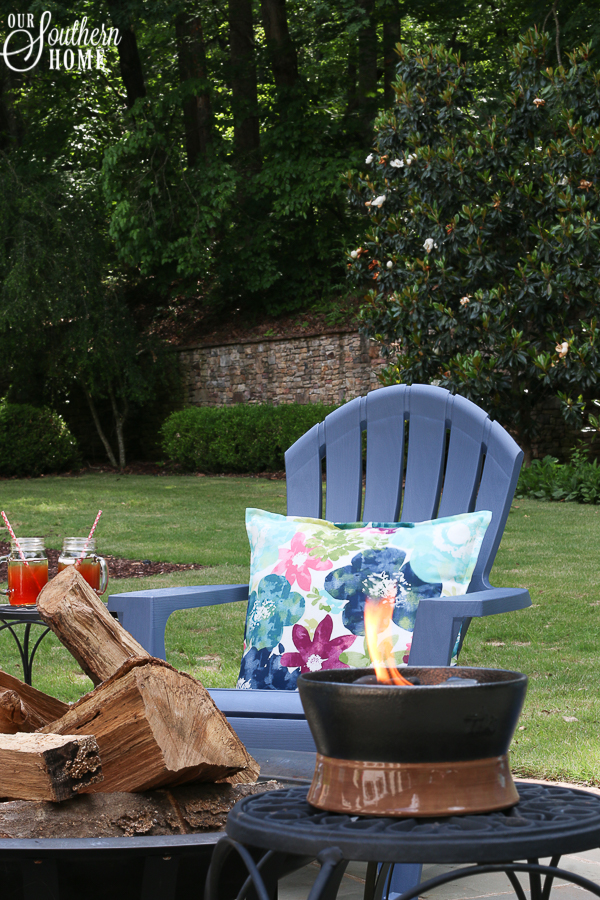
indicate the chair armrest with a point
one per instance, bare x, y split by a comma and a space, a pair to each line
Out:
439, 619
144, 614
258, 704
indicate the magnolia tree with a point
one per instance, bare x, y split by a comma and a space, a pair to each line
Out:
482, 254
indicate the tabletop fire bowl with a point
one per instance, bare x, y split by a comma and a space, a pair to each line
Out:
436, 748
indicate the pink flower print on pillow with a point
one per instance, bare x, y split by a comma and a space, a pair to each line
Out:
296, 563
321, 652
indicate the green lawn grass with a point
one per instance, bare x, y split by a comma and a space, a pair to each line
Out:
550, 548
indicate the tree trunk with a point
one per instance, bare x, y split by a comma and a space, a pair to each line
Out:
197, 109
282, 52
367, 72
246, 133
120, 415
9, 126
391, 37
99, 429
130, 63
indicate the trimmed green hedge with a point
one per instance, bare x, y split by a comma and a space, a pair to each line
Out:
242, 438
33, 441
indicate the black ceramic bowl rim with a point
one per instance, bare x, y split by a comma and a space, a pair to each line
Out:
349, 676
413, 723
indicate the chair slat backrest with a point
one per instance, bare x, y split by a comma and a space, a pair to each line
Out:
427, 425
465, 457
303, 474
458, 461
499, 478
343, 460
386, 417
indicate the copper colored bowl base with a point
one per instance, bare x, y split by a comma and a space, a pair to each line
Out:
412, 789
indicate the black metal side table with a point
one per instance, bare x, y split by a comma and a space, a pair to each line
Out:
549, 821
28, 616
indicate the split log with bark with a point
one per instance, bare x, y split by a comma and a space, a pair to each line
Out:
23, 708
188, 809
47, 766
156, 726
84, 626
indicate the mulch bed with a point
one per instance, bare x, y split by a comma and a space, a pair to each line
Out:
117, 567
156, 469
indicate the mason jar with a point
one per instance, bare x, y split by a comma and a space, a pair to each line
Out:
81, 552
27, 571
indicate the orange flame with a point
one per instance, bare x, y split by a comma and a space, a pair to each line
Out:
377, 618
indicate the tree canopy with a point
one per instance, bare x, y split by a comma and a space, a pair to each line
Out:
197, 154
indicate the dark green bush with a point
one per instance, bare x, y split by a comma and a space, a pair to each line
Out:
242, 438
548, 479
34, 440
482, 254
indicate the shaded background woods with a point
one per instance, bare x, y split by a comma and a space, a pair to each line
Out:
196, 177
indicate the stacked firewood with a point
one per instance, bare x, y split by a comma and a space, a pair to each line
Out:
144, 726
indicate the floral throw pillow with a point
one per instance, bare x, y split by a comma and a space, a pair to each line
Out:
309, 580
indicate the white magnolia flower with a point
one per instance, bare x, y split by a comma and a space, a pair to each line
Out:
429, 245
369, 159
562, 349
378, 201
397, 164
465, 300
354, 254
410, 158
563, 181
539, 102
390, 264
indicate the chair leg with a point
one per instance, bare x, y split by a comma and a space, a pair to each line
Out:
401, 878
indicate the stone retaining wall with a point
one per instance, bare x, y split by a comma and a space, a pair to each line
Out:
322, 368
325, 368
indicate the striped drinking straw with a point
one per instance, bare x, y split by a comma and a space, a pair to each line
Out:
89, 537
13, 536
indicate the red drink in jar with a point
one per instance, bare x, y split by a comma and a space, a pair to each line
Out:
27, 571
25, 581
89, 568
81, 552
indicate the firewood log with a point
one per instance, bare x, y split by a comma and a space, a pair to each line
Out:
13, 714
85, 627
188, 809
34, 710
155, 726
47, 766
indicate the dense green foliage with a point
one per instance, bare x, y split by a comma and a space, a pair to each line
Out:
241, 438
482, 257
548, 479
65, 321
198, 169
34, 441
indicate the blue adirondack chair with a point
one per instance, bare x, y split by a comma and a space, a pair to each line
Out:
457, 461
